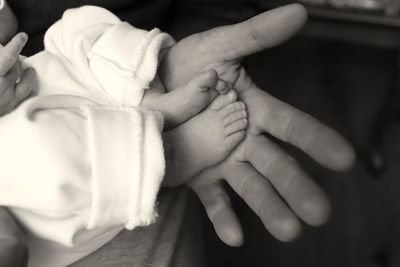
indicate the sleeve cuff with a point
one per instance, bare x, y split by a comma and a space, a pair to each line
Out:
128, 165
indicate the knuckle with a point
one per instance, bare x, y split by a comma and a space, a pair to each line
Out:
245, 185
290, 126
273, 163
289, 178
265, 197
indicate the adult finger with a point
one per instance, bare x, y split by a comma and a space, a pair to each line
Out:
16, 94
301, 193
265, 30
270, 115
261, 197
26, 85
322, 143
9, 54
8, 81
218, 207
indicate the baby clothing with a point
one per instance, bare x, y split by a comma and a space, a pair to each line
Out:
82, 160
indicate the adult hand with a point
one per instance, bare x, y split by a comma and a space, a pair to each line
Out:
15, 85
258, 170
13, 250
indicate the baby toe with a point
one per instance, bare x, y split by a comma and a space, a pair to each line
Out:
222, 101
232, 140
235, 126
231, 108
222, 87
235, 116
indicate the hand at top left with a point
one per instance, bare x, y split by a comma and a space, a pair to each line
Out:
15, 85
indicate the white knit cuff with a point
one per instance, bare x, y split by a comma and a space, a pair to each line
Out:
127, 165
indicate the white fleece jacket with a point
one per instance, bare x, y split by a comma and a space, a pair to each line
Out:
81, 160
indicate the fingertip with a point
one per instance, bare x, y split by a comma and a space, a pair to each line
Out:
298, 10
287, 20
31, 71
21, 39
345, 158
331, 150
342, 155
227, 228
297, 14
315, 209
26, 85
232, 236
286, 229
30, 77
23, 36
9, 55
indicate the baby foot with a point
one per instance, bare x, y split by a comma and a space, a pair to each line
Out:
205, 139
188, 100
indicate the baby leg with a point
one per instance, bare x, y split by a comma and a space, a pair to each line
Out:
186, 101
205, 139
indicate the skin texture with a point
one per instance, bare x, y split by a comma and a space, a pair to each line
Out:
207, 138
186, 101
269, 180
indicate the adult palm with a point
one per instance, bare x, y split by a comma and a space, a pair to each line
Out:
258, 170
